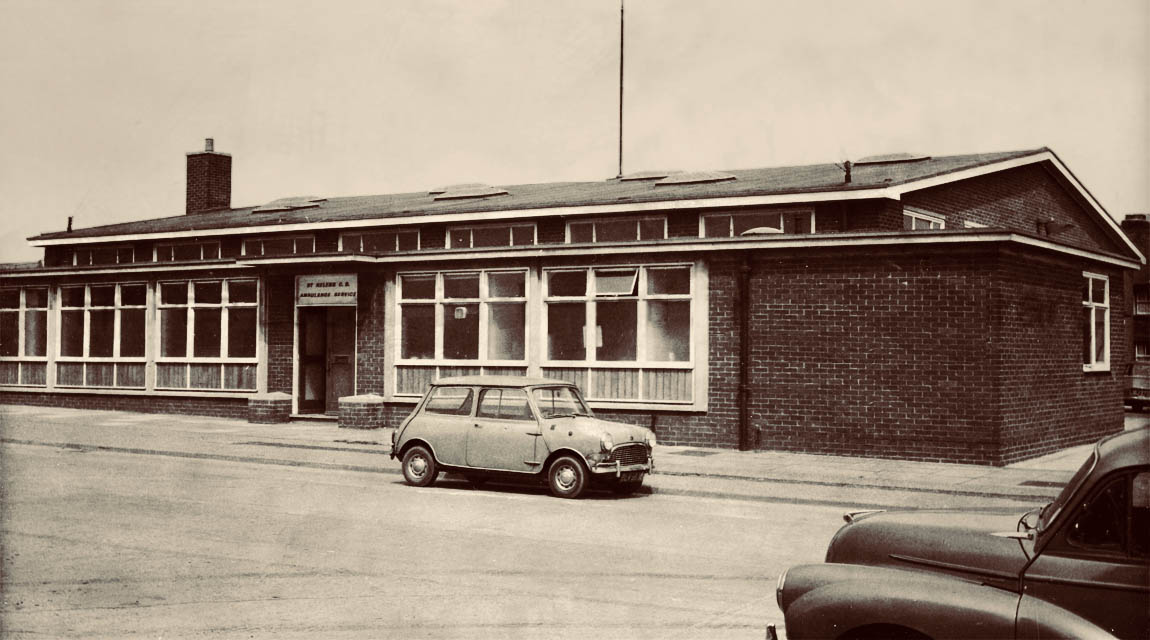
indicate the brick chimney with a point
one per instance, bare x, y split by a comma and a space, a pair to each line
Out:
209, 180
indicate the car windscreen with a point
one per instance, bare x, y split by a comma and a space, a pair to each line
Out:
554, 402
1051, 510
451, 401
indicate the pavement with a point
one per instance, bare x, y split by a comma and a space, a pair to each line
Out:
687, 471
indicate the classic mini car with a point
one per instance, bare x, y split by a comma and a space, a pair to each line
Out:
1075, 568
519, 428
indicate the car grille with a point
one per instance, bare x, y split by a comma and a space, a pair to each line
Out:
629, 454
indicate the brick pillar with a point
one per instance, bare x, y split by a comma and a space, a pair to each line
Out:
269, 408
361, 412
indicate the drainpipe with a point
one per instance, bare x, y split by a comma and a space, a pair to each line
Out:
746, 442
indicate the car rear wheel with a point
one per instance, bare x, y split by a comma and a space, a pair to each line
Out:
419, 469
567, 477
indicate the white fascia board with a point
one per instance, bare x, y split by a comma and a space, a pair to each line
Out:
511, 214
1041, 156
141, 268
711, 246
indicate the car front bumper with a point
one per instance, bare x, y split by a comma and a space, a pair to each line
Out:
604, 469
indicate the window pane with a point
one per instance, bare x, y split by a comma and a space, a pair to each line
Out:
461, 331
615, 333
1086, 289
101, 330
615, 282
581, 232
207, 292
567, 283
1100, 335
125, 255
452, 401
418, 287
173, 333
10, 299
72, 333
491, 237
460, 238
418, 331
565, 329
211, 250
278, 246
103, 296
522, 236
801, 223
253, 247
748, 221
669, 281
907, 223
164, 253
187, 252
352, 242
506, 285
206, 333
36, 298
408, 240
1102, 522
920, 224
133, 295
9, 333
1087, 335
131, 333
716, 226
174, 293
1098, 290
35, 333
668, 331
305, 244
652, 230
505, 325
461, 285
616, 230
513, 405
241, 290
488, 403
241, 333
73, 297
104, 255
379, 242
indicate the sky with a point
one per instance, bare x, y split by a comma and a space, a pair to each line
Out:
101, 99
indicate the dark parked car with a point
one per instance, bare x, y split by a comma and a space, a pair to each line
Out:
1138, 386
1075, 568
509, 427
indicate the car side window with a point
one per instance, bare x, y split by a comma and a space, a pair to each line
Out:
450, 401
1140, 516
1101, 524
504, 404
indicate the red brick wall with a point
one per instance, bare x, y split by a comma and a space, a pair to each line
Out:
371, 316
280, 331
218, 407
209, 184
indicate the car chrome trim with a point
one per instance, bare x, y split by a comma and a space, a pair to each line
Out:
955, 567
1093, 584
852, 517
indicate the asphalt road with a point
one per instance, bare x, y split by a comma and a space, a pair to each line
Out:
103, 544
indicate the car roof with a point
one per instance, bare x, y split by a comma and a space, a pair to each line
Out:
1124, 449
499, 381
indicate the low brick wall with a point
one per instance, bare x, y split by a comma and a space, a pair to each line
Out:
269, 408
361, 412
188, 405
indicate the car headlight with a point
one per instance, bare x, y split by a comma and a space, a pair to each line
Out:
605, 442
650, 437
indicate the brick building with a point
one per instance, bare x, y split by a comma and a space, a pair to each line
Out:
963, 308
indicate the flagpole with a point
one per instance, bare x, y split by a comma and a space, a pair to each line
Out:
621, 88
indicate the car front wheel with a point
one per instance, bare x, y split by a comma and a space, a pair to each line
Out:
567, 477
419, 469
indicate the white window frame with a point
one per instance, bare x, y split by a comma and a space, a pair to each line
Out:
440, 301
932, 218
1141, 300
306, 238
470, 228
170, 247
343, 236
1096, 307
734, 214
225, 305
21, 312
86, 358
595, 232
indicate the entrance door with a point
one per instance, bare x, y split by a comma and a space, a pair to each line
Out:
326, 357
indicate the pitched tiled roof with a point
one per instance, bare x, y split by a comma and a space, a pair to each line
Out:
750, 182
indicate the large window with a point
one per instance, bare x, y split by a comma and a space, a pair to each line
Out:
188, 251
921, 221
465, 316
379, 241
23, 336
498, 235
207, 334
89, 256
102, 335
617, 229
726, 225
1095, 322
279, 245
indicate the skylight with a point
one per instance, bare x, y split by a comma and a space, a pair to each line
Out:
695, 177
468, 190
892, 158
290, 204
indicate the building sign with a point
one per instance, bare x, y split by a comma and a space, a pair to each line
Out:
326, 290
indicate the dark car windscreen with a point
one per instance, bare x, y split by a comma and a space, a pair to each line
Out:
450, 401
1051, 511
559, 401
